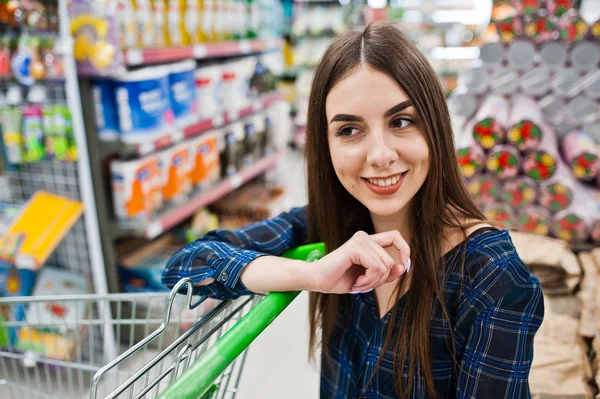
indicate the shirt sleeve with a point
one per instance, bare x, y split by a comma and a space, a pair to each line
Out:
503, 309
223, 255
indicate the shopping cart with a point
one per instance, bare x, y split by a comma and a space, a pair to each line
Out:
171, 345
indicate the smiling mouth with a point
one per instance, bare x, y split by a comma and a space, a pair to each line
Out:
386, 181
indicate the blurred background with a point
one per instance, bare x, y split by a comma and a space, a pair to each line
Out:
129, 128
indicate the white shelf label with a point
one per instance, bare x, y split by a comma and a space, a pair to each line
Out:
135, 56
200, 51
146, 148
23, 261
236, 181
245, 47
154, 229
218, 120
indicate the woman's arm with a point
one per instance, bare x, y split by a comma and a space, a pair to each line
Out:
504, 309
215, 263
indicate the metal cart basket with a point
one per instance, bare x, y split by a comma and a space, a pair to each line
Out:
171, 345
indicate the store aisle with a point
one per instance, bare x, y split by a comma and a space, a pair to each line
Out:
277, 365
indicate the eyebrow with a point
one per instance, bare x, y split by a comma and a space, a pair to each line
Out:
354, 118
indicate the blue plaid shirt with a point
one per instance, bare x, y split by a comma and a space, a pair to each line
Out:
495, 306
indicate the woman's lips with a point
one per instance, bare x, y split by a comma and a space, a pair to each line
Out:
388, 190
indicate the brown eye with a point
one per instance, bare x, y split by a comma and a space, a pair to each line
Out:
348, 131
401, 122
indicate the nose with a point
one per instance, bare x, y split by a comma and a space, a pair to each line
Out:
381, 155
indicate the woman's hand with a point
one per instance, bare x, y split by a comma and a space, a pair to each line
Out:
361, 264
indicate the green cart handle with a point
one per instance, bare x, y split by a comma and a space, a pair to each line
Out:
198, 380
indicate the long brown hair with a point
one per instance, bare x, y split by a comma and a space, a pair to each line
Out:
334, 215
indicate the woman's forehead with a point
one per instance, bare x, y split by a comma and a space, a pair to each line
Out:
366, 90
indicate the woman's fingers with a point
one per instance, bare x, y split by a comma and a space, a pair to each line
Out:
393, 238
374, 255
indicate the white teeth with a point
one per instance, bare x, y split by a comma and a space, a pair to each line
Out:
385, 182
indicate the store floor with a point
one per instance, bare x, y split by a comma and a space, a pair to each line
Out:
277, 364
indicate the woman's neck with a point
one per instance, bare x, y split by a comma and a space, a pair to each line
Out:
399, 221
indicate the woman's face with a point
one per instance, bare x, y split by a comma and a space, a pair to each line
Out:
378, 151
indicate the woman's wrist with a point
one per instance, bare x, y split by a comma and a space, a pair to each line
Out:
274, 274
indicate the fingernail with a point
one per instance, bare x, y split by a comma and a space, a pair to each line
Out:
369, 290
358, 285
407, 266
354, 292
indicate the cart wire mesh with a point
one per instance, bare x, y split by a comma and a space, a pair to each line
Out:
158, 335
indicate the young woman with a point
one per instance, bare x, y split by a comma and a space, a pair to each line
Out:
417, 296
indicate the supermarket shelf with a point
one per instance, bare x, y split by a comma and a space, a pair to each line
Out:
137, 56
175, 216
175, 135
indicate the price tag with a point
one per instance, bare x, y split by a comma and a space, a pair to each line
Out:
236, 181
24, 261
154, 229
218, 120
245, 47
135, 56
200, 51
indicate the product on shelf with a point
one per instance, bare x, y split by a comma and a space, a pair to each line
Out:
206, 168
595, 29
540, 28
535, 82
175, 169
582, 154
595, 230
138, 100
33, 235
553, 55
208, 80
570, 225
232, 157
203, 221
525, 116
555, 196
504, 161
502, 214
136, 193
182, 92
484, 189
520, 54
539, 165
491, 120
534, 219
520, 192
585, 55
509, 28
527, 7
58, 324
559, 7
572, 27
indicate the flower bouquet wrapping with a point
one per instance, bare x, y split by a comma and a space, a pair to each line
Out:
484, 189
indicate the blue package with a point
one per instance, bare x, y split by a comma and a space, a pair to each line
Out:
107, 116
13, 282
143, 104
182, 85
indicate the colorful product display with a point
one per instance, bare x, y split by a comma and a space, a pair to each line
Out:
520, 192
525, 132
491, 121
484, 189
36, 124
144, 187
555, 196
570, 225
502, 214
582, 154
534, 219
504, 162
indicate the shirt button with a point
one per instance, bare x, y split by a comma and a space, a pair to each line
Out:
224, 277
